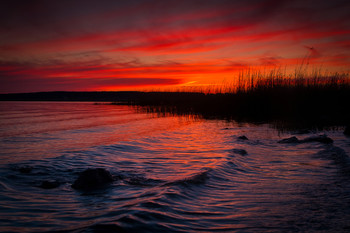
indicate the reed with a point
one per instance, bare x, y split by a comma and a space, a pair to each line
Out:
302, 98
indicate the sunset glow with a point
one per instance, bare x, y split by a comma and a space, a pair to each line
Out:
146, 45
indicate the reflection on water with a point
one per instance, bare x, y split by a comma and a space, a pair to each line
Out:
173, 174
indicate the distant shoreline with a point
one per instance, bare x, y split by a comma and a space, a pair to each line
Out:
94, 96
288, 102
286, 108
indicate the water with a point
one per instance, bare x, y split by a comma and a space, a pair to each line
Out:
175, 174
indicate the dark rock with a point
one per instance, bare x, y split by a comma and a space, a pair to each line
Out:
289, 140
320, 138
48, 184
25, 169
93, 178
338, 155
243, 137
108, 228
347, 131
240, 151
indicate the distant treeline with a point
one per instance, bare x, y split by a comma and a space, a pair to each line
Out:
108, 96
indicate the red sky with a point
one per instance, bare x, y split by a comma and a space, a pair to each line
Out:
149, 45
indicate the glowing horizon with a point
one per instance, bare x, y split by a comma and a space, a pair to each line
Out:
143, 45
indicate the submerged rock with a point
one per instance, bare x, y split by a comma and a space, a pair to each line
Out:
289, 140
347, 131
25, 169
92, 178
338, 155
243, 137
48, 184
320, 138
240, 151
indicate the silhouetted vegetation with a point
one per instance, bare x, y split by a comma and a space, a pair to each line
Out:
298, 100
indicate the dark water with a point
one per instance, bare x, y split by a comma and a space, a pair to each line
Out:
176, 174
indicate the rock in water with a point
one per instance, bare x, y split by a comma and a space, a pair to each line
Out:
240, 151
243, 137
48, 184
289, 140
25, 169
320, 138
93, 178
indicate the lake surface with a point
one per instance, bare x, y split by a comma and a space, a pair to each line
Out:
175, 174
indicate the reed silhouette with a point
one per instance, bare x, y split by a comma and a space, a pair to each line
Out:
300, 99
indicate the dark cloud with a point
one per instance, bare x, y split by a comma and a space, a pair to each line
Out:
88, 16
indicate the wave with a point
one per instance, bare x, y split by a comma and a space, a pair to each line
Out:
196, 179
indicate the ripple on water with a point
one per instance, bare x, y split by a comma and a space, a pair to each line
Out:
175, 176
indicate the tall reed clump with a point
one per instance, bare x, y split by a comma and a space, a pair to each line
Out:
251, 80
302, 97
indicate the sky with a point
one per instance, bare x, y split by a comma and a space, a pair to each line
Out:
104, 45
